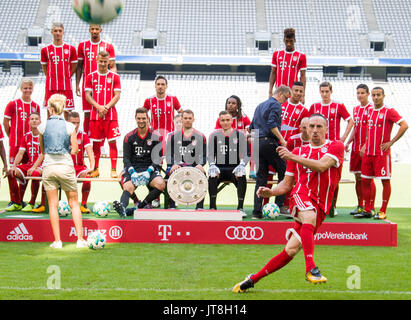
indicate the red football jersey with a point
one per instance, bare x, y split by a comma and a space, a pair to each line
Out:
162, 112
318, 186
296, 141
103, 87
83, 141
240, 124
360, 114
31, 144
380, 123
292, 114
333, 111
288, 66
88, 51
1, 134
58, 60
18, 112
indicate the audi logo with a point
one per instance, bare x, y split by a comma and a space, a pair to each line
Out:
244, 233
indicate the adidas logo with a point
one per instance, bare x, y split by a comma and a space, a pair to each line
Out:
19, 233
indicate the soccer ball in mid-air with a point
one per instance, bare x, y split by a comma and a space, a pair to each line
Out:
101, 208
64, 208
97, 11
271, 211
96, 240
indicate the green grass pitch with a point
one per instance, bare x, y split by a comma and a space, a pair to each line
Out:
208, 272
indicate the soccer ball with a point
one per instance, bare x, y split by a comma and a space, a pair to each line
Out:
96, 240
101, 209
271, 211
97, 11
64, 208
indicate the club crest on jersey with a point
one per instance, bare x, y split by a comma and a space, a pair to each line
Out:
381, 116
324, 150
297, 111
235, 140
66, 51
108, 80
168, 104
149, 142
332, 110
295, 59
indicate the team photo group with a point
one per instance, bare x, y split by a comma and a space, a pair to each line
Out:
301, 146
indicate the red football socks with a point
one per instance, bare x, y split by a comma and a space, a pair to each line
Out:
386, 193
276, 263
113, 154
307, 241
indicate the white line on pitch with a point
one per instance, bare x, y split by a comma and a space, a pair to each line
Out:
381, 292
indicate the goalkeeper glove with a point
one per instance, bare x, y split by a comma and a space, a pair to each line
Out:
213, 170
240, 171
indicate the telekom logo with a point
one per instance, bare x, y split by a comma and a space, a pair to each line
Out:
164, 231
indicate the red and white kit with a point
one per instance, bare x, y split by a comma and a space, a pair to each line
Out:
292, 114
87, 52
241, 124
288, 66
18, 112
377, 163
58, 77
83, 142
315, 190
296, 141
103, 87
360, 114
31, 145
162, 112
333, 112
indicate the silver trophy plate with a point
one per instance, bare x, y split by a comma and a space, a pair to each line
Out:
187, 186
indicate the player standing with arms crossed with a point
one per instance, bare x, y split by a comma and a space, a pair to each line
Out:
103, 90
87, 63
59, 63
316, 170
376, 161
16, 125
287, 64
358, 138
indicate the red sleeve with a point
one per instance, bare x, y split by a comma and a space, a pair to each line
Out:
1, 133
23, 143
80, 51
305, 113
176, 103
89, 83
290, 145
217, 124
393, 115
117, 83
274, 59
86, 140
303, 62
336, 151
110, 50
9, 111
246, 121
344, 112
147, 104
73, 54
291, 165
311, 110
43, 56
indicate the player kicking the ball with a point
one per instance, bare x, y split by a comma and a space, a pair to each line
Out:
316, 171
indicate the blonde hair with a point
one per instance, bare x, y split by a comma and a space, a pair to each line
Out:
26, 81
57, 102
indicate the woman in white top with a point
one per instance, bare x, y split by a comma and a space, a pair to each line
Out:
58, 140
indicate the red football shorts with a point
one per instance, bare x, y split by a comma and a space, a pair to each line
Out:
79, 170
86, 105
378, 167
300, 203
355, 162
104, 129
67, 93
23, 168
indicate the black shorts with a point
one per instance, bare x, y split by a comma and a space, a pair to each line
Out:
226, 174
125, 176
